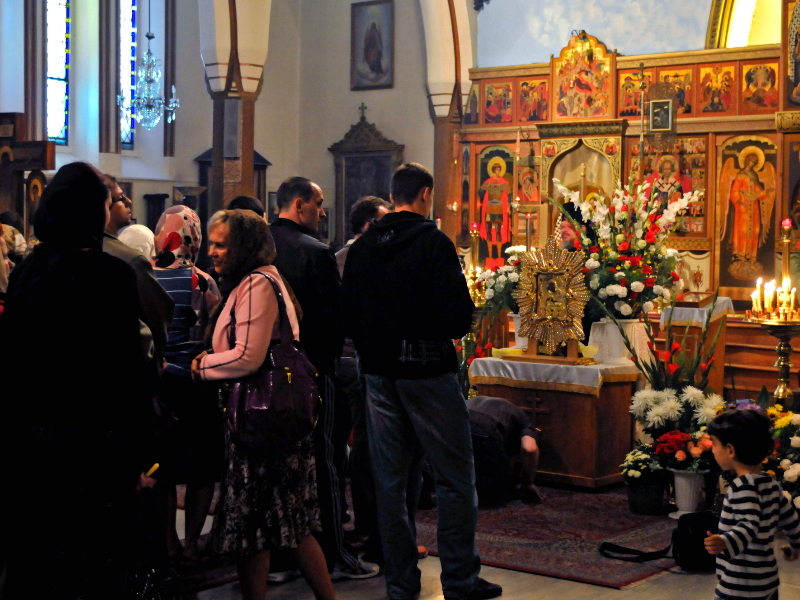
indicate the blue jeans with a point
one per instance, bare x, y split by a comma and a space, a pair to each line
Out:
408, 419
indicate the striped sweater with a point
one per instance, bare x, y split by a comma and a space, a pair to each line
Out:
754, 506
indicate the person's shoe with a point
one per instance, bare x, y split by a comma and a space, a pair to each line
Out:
283, 576
483, 590
362, 570
422, 552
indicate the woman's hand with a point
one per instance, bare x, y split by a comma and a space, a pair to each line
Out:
145, 482
196, 377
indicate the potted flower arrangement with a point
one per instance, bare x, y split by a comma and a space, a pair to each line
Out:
629, 266
644, 478
784, 463
674, 409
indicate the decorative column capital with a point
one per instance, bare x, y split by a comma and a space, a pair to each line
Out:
787, 120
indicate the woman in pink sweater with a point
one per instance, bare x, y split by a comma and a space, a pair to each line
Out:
269, 498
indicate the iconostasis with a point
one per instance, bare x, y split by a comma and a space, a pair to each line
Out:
710, 125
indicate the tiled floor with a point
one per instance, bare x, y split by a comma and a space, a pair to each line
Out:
523, 586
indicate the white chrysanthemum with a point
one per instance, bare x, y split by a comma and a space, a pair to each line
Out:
633, 473
637, 286
515, 250
705, 413
513, 277
594, 282
490, 283
641, 244
657, 416
502, 279
625, 309
664, 395
484, 275
658, 290
602, 294
672, 252
648, 307
619, 275
612, 255
592, 264
673, 408
795, 420
693, 396
714, 400
489, 294
499, 287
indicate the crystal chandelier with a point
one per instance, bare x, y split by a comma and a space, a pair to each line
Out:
149, 105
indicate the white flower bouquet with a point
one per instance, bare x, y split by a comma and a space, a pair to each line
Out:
641, 467
629, 264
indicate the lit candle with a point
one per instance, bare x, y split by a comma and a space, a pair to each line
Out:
791, 304
787, 222
754, 297
438, 222
758, 291
528, 231
474, 227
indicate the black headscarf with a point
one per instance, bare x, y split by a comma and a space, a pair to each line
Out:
72, 213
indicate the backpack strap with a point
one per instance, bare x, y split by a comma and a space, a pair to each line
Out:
633, 555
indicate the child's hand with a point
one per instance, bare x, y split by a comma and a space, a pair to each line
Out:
715, 544
789, 553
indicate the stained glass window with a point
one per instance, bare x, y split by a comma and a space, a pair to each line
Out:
58, 43
127, 70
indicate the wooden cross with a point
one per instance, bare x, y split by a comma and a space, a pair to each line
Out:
363, 109
17, 156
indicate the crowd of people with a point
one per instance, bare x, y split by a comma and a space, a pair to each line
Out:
124, 349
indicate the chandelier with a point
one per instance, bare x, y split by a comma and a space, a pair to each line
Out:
147, 102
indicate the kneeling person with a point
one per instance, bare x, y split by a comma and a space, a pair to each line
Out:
506, 448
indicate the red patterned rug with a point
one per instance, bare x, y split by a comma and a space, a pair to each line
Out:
560, 537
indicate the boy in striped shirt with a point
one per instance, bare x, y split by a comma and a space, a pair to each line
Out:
753, 507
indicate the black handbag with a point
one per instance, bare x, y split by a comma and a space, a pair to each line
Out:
688, 544
276, 406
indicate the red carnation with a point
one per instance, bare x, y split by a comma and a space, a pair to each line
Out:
650, 238
634, 295
585, 270
624, 208
650, 281
517, 262
680, 297
623, 282
623, 247
635, 261
612, 270
594, 249
675, 276
647, 269
652, 218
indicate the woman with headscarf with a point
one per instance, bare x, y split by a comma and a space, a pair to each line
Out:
269, 498
194, 446
74, 411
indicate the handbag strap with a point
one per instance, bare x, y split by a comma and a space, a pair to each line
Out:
287, 335
616, 552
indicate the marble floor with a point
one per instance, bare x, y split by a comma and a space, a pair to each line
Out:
524, 586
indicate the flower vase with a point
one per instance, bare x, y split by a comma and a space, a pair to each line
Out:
645, 499
688, 491
519, 341
612, 350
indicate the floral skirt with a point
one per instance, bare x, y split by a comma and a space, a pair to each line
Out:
268, 499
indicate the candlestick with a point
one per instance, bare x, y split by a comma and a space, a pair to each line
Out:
528, 232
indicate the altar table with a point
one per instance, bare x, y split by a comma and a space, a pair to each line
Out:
583, 412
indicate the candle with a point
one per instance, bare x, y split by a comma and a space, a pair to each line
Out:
787, 222
528, 231
758, 291
474, 227
754, 297
438, 222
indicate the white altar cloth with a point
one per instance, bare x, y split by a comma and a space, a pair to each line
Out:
580, 379
697, 316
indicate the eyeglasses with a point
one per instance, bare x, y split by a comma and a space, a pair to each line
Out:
124, 199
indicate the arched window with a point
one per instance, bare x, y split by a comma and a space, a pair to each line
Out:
127, 70
58, 61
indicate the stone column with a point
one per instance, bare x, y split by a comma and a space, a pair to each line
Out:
234, 38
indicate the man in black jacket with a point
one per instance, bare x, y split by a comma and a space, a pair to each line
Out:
310, 268
405, 300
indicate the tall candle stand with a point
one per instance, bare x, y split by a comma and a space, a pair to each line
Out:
774, 308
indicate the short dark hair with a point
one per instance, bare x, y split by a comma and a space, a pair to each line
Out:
246, 203
748, 431
294, 187
407, 182
110, 181
364, 210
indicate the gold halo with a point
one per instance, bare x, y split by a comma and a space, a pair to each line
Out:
668, 158
747, 152
496, 161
